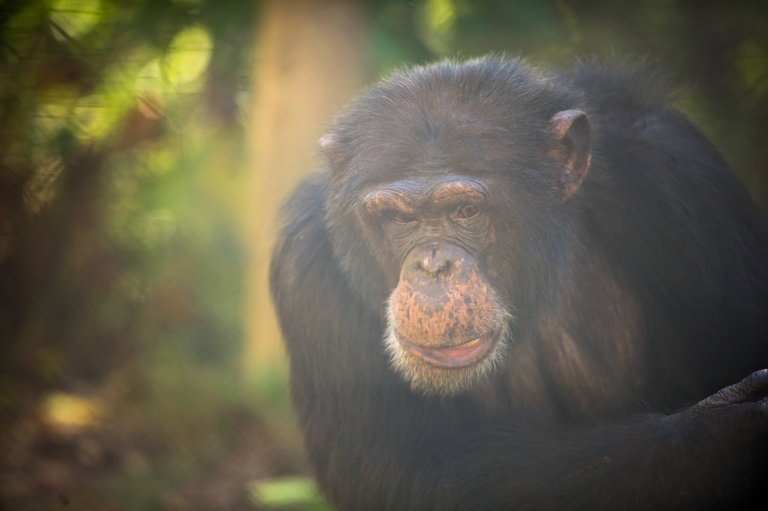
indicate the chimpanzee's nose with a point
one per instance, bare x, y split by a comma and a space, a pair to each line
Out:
433, 261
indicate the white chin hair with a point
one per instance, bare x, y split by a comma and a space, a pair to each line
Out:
431, 380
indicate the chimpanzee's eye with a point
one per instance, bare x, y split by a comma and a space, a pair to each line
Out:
401, 217
467, 211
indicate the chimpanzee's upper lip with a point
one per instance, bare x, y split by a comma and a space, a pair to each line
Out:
452, 357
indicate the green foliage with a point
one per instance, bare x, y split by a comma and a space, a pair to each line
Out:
74, 18
288, 493
120, 241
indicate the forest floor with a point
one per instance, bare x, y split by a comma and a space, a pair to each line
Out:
115, 465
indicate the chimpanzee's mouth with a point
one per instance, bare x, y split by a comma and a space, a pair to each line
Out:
452, 357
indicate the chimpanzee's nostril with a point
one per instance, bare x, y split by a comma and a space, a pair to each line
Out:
434, 266
433, 262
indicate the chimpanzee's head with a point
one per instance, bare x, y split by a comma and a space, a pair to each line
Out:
447, 210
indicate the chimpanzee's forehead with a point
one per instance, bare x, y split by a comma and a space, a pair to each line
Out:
436, 141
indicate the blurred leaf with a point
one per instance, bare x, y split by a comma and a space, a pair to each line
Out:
438, 19
150, 85
188, 56
753, 66
288, 492
75, 17
62, 410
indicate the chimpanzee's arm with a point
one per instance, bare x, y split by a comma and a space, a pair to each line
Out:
710, 456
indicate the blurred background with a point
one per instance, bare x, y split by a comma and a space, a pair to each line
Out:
144, 148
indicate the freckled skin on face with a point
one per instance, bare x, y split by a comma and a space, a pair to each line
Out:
450, 310
445, 320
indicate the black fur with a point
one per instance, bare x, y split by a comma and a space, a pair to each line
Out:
642, 294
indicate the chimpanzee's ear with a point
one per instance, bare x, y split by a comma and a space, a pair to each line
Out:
331, 148
574, 135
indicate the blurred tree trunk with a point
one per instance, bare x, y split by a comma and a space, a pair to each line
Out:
308, 61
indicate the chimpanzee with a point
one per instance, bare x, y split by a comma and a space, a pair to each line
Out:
515, 289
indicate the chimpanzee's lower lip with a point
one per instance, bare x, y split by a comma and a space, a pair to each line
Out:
452, 357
